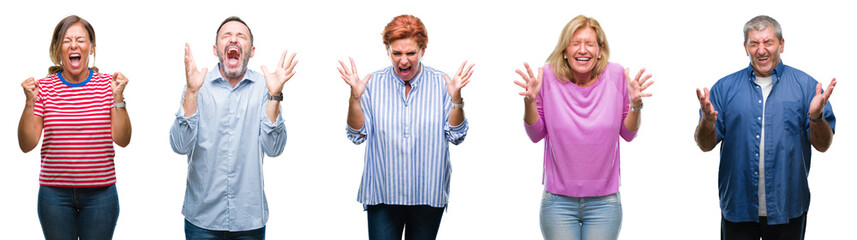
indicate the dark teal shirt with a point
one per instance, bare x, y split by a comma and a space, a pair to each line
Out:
738, 100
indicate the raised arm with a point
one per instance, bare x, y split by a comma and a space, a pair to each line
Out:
706, 132
820, 132
532, 86
275, 82
120, 123
635, 88
30, 125
355, 118
195, 79
454, 86
184, 129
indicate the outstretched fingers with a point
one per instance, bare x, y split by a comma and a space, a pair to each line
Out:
290, 63
343, 70
830, 88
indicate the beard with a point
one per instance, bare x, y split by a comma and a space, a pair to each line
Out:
233, 74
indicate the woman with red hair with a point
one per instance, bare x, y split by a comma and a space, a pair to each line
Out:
408, 113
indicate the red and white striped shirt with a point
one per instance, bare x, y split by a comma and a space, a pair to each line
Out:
77, 148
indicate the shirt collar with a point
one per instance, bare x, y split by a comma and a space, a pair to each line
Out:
214, 75
776, 74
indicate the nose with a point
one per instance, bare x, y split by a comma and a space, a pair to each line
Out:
581, 49
403, 61
761, 50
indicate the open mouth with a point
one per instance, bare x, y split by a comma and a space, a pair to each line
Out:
233, 55
762, 59
582, 60
74, 59
405, 72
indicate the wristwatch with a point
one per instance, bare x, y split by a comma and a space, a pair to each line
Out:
820, 117
635, 109
276, 98
456, 105
119, 105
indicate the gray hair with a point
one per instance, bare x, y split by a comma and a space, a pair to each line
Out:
760, 23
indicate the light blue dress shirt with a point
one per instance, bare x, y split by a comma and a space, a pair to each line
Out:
407, 157
224, 141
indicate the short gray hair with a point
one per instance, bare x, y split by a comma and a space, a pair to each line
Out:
760, 23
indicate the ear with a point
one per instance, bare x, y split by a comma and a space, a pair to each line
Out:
422, 52
214, 50
92, 50
389, 51
252, 51
782, 44
746, 50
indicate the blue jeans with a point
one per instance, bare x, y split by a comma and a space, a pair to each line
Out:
388, 221
69, 213
795, 229
563, 217
192, 232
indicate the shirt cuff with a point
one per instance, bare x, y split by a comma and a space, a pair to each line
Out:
193, 119
269, 127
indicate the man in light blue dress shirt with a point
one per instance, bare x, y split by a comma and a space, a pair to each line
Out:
228, 118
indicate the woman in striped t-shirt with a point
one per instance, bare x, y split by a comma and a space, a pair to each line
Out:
82, 113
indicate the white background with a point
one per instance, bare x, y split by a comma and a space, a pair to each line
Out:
669, 186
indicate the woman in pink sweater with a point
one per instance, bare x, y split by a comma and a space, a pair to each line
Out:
580, 104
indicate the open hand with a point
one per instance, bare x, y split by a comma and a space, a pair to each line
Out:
532, 85
708, 112
352, 79
816, 107
282, 73
194, 78
458, 81
636, 87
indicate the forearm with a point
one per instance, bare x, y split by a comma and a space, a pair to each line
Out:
632, 120
705, 135
189, 103
273, 110
456, 115
28, 131
355, 114
531, 111
820, 135
120, 126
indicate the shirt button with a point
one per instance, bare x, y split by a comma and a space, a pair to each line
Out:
760, 118
755, 173
757, 154
757, 136
760, 101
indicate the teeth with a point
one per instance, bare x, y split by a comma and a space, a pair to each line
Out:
74, 55
582, 59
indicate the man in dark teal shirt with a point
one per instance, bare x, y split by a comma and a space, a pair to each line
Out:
767, 116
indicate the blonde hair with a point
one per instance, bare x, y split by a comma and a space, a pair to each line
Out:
56, 43
557, 60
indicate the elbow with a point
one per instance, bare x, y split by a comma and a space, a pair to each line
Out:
822, 147
122, 143
704, 146
26, 147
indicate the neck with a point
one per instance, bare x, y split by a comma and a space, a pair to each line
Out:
74, 78
232, 81
583, 79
